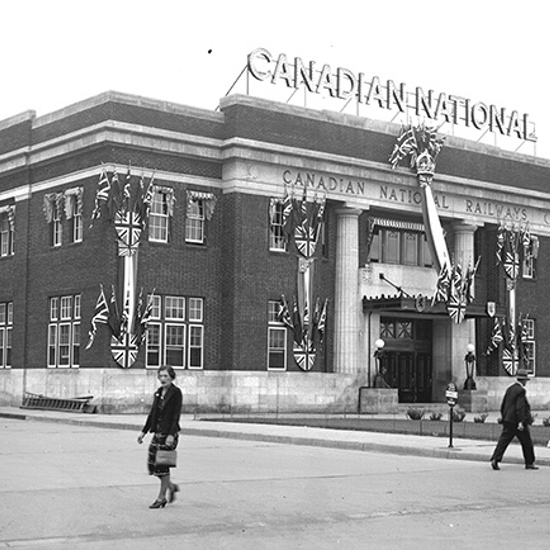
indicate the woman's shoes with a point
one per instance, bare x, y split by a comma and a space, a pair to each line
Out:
158, 504
172, 492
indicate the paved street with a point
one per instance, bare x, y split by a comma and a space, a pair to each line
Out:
80, 487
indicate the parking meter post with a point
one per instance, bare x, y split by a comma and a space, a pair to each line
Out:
451, 416
451, 395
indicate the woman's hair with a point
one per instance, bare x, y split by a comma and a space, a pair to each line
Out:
171, 372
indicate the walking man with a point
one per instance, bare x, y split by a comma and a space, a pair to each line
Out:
516, 418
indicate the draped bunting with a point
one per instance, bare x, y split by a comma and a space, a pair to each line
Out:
10, 211
209, 201
73, 202
53, 204
68, 202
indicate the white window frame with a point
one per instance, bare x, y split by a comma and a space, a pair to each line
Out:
277, 237
159, 218
158, 347
178, 308
57, 228
64, 312
531, 345
528, 267
188, 314
194, 222
6, 327
191, 347
52, 345
183, 347
276, 327
77, 228
6, 236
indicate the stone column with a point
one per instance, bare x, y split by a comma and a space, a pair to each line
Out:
464, 333
347, 303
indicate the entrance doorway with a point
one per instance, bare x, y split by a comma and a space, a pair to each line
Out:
408, 357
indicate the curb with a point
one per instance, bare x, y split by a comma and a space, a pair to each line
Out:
438, 452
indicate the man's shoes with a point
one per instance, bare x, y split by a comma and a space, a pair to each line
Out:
531, 467
495, 466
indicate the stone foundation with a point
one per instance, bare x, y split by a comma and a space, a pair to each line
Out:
378, 400
131, 391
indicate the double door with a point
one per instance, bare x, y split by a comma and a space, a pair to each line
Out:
411, 373
407, 359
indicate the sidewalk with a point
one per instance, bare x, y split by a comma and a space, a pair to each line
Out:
221, 426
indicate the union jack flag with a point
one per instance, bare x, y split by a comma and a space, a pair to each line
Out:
101, 315
406, 145
442, 286
296, 323
496, 336
102, 195
321, 324
143, 318
510, 360
126, 193
114, 320
284, 313
304, 355
456, 308
125, 349
128, 229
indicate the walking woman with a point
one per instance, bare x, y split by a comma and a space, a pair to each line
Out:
163, 422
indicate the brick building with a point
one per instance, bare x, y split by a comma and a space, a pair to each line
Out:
216, 256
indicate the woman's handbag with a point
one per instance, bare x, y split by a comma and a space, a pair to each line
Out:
166, 457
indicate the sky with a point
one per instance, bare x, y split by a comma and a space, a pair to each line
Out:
59, 52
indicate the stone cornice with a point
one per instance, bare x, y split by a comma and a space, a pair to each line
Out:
112, 131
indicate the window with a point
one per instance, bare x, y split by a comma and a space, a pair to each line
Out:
64, 331
194, 223
6, 235
76, 228
528, 344
277, 237
57, 227
175, 334
6, 325
402, 243
276, 339
530, 255
158, 217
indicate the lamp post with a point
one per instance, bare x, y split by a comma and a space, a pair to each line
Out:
379, 353
469, 361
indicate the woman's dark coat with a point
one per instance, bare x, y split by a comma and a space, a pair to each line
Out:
167, 420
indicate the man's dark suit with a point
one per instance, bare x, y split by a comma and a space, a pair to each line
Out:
516, 412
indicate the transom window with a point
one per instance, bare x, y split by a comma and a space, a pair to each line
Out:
276, 338
175, 334
402, 243
6, 326
64, 331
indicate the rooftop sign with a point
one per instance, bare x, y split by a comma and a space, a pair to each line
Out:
344, 84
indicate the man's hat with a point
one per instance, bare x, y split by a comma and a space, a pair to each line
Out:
522, 374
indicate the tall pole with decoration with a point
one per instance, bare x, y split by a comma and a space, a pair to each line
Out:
127, 207
302, 223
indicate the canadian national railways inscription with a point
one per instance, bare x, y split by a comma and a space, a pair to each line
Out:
328, 184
